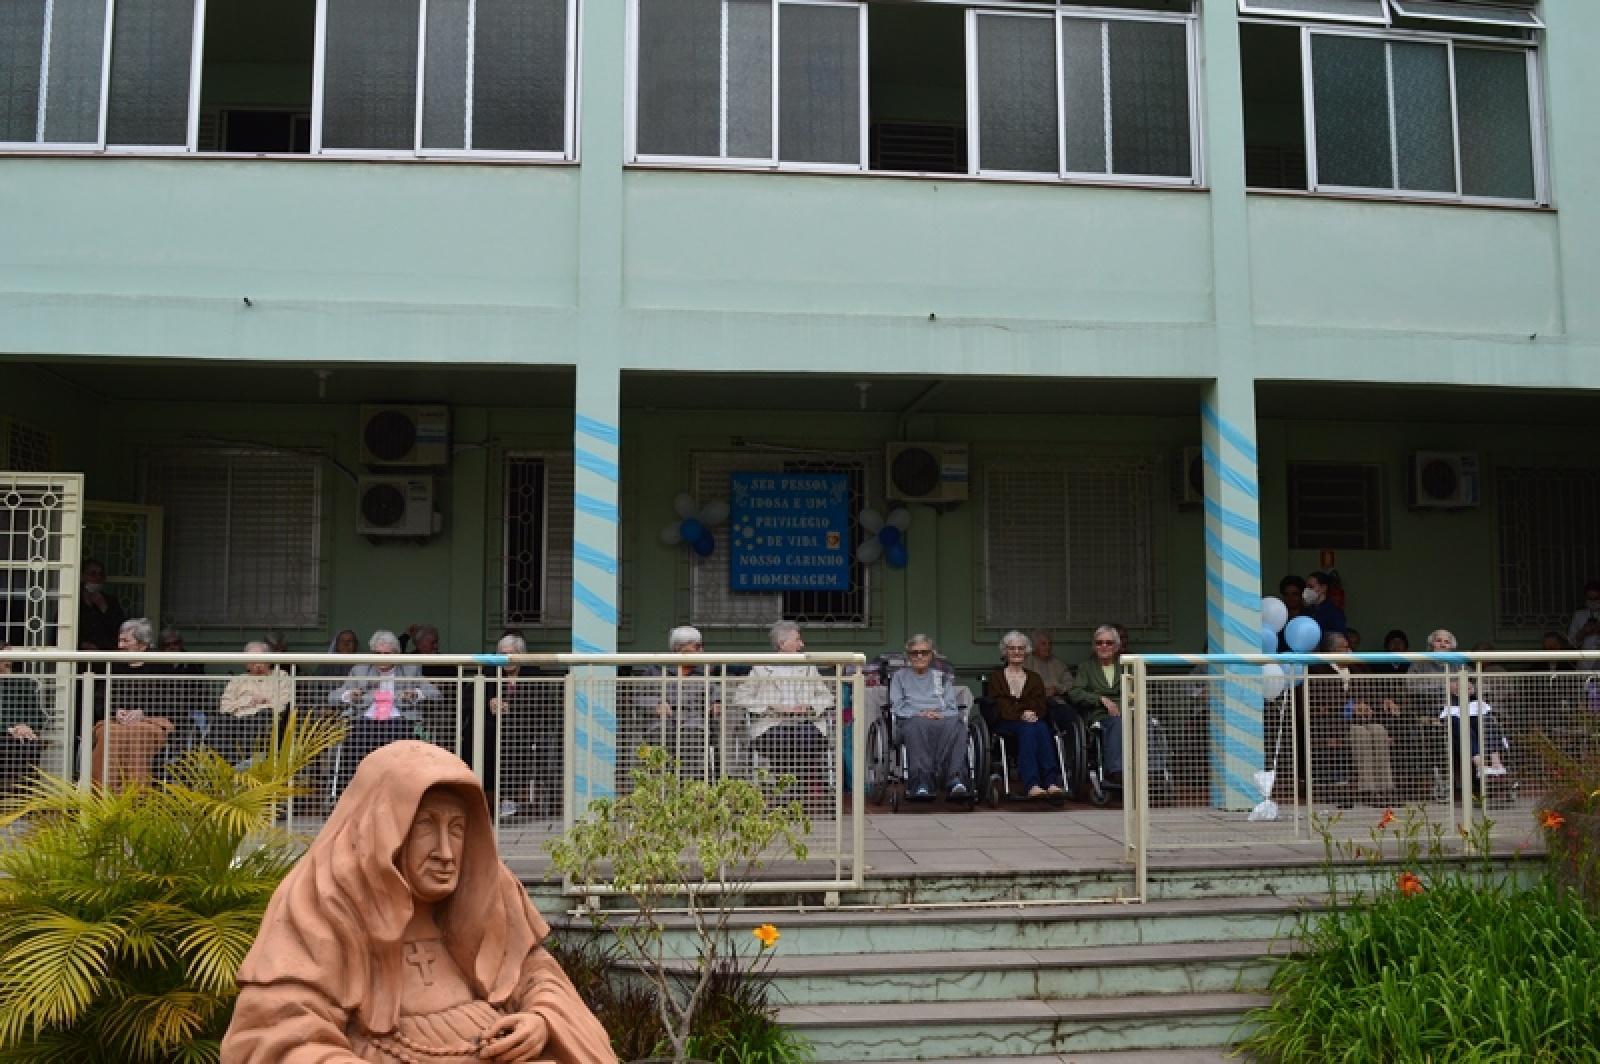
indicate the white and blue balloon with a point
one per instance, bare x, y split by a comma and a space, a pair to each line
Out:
885, 537
694, 523
1301, 634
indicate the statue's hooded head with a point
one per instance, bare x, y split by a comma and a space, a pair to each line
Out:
413, 823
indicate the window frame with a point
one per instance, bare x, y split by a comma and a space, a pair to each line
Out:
1529, 47
568, 152
973, 10
553, 615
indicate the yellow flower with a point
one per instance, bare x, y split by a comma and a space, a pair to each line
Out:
767, 934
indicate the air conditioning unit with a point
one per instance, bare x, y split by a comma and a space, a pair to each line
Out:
926, 472
395, 506
412, 437
1444, 481
1189, 479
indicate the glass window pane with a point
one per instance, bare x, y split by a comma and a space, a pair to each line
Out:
819, 84
1083, 55
152, 47
444, 92
369, 84
1339, 10
680, 77
750, 79
1149, 98
77, 52
21, 41
1017, 94
1496, 129
1423, 135
519, 87
1350, 79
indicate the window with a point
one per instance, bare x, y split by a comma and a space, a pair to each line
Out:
712, 604
535, 574
388, 77
1446, 109
1068, 545
1546, 520
1057, 92
24, 446
243, 537
1337, 507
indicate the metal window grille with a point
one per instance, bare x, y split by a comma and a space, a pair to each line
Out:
1336, 506
243, 543
713, 604
1547, 546
26, 447
536, 541
1069, 546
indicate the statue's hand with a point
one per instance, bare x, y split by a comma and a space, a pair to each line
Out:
515, 1038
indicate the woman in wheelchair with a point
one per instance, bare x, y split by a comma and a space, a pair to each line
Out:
930, 724
1019, 701
1097, 695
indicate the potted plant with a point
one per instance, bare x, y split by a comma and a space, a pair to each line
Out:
675, 838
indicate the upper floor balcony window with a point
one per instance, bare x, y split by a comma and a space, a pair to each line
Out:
1428, 99
384, 78
1031, 89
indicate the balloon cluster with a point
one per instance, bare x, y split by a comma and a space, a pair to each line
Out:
886, 537
1301, 634
694, 523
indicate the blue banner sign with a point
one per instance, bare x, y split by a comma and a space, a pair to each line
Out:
789, 532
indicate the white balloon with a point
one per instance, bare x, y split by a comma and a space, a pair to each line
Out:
714, 513
684, 506
1273, 681
669, 534
871, 521
1274, 614
869, 551
900, 518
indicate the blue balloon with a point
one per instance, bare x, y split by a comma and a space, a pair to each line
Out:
897, 556
1269, 641
705, 543
888, 535
1302, 634
691, 530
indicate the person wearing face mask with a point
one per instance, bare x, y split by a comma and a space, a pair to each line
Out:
1319, 607
100, 615
1584, 630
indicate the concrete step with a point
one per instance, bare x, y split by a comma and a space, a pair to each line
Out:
1133, 1056
987, 1030
1010, 974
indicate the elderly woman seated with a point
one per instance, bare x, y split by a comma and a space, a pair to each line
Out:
790, 713
125, 746
1097, 695
930, 724
680, 704
1019, 701
386, 701
249, 705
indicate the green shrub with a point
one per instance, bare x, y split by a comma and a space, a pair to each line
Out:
1452, 970
124, 916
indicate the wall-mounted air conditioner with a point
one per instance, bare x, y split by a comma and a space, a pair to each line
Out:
1189, 479
395, 506
414, 437
1444, 481
926, 472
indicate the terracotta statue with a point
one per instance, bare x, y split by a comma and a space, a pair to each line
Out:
401, 938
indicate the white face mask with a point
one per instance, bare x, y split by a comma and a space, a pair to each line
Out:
1310, 597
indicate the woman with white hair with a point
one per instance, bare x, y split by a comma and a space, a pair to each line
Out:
249, 705
789, 708
525, 715
384, 700
930, 723
1097, 694
142, 704
678, 704
1019, 701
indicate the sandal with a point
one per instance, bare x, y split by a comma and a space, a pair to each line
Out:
1036, 792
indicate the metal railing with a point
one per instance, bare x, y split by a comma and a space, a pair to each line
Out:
545, 732
1260, 751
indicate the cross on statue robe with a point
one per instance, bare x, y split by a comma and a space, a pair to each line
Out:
422, 957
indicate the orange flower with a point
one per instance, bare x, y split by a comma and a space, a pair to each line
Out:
1551, 820
767, 934
1409, 884
1386, 819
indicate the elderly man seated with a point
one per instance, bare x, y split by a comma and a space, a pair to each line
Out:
929, 722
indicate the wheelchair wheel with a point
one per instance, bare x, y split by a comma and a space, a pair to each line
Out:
979, 777
877, 768
1075, 752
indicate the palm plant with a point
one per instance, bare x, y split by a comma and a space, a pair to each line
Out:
124, 915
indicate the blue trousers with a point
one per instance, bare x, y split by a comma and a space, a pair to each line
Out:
1036, 752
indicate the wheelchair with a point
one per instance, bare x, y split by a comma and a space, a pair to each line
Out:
1070, 752
1084, 753
888, 773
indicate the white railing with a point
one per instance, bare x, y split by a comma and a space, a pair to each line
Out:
545, 732
1458, 741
